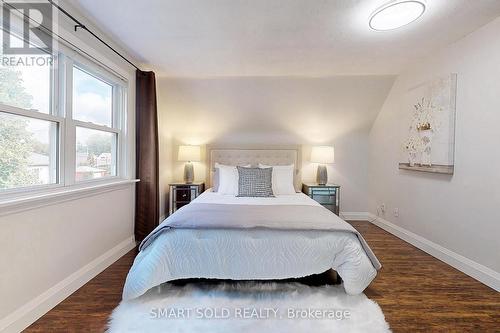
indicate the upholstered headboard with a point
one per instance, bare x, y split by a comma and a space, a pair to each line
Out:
274, 155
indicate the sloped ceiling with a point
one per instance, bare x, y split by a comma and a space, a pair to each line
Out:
270, 109
200, 38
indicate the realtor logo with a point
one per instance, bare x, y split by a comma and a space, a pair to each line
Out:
34, 15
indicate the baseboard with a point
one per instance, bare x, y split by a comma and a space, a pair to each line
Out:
34, 309
355, 216
475, 270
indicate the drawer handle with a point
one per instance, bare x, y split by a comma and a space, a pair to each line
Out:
184, 195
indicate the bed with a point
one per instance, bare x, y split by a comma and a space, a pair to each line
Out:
220, 236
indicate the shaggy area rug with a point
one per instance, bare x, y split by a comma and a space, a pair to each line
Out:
248, 307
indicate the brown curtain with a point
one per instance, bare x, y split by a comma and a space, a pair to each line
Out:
147, 190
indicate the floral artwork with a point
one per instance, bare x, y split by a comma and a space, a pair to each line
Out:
430, 140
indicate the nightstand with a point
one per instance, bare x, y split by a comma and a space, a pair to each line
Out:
181, 194
327, 195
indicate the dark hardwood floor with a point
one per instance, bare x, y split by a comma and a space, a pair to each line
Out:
416, 292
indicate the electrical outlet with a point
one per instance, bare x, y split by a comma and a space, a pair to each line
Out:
382, 208
396, 212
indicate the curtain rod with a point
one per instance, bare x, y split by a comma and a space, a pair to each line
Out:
82, 26
68, 43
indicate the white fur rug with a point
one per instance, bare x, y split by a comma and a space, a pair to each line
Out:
248, 307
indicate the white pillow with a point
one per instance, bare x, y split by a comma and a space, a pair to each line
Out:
282, 178
228, 178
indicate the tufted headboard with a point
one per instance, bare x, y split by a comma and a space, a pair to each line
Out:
273, 155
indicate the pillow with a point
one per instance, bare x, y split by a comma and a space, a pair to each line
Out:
215, 180
226, 179
255, 182
283, 183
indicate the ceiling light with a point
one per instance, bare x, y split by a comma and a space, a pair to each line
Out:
396, 14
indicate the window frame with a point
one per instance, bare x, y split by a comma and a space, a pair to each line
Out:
54, 116
56, 148
60, 112
116, 114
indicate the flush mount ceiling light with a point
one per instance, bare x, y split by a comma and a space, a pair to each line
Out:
396, 14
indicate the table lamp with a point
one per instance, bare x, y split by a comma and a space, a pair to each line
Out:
322, 155
189, 154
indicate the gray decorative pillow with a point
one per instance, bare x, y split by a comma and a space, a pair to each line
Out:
215, 181
255, 182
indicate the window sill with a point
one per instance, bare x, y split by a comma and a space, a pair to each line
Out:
28, 202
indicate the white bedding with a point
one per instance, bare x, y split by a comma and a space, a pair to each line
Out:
249, 254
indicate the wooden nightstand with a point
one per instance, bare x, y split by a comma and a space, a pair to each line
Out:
327, 195
181, 194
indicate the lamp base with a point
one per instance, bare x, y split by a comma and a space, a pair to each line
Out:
322, 175
188, 173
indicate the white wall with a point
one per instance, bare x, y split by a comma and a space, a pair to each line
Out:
460, 212
275, 110
44, 246
49, 252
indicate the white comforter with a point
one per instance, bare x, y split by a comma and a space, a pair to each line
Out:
244, 254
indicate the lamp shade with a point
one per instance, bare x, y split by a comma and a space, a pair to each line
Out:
189, 154
323, 154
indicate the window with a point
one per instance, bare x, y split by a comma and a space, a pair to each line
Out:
26, 87
28, 151
95, 154
60, 124
29, 129
91, 98
96, 118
